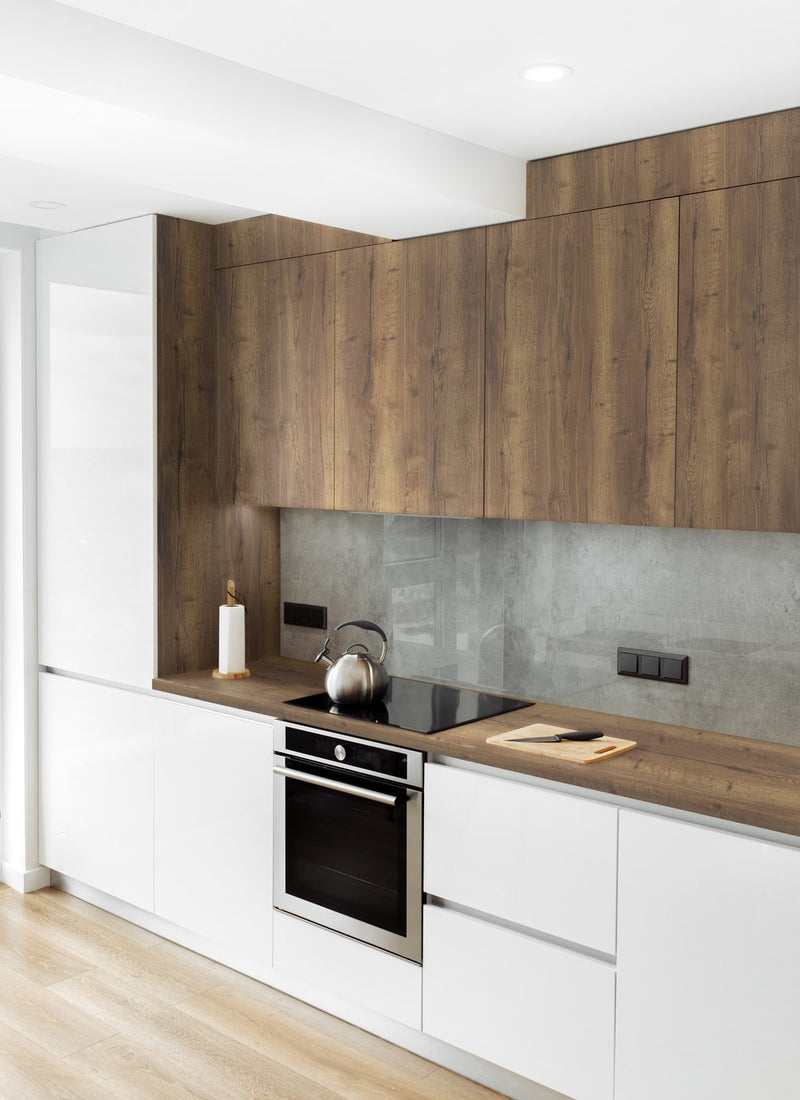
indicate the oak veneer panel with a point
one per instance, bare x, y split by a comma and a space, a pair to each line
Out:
409, 376
580, 366
186, 420
738, 444
706, 158
275, 417
200, 543
272, 237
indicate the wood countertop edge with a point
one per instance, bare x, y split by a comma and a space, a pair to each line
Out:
730, 778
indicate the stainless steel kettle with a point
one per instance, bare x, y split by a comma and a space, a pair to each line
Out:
357, 677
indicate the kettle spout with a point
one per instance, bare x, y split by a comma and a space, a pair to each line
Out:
322, 656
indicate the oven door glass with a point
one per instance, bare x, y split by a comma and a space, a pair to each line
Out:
348, 861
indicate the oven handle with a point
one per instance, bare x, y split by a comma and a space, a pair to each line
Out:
335, 785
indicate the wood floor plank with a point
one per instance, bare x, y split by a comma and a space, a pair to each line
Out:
203, 1056
318, 1056
29, 1009
31, 953
128, 1069
52, 905
27, 1072
88, 1009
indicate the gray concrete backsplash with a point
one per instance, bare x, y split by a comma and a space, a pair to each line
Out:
538, 609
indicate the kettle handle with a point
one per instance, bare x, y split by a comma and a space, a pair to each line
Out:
364, 625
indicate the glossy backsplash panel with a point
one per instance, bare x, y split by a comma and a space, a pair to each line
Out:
538, 609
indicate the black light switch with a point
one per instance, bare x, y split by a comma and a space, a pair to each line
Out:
647, 664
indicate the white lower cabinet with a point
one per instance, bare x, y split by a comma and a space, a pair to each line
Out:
525, 978
539, 858
96, 786
341, 968
537, 1009
213, 827
708, 964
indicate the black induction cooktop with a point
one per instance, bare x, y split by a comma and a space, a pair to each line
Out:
419, 706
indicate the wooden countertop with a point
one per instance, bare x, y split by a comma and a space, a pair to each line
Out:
732, 778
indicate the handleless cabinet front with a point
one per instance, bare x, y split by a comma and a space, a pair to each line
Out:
541, 859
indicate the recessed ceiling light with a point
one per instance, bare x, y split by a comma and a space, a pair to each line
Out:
47, 204
547, 72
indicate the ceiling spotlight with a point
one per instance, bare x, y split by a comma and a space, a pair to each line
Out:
47, 204
547, 72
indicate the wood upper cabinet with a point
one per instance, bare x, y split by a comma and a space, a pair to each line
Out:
580, 366
409, 376
275, 415
738, 440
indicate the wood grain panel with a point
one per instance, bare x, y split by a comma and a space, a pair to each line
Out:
706, 158
186, 484
271, 237
409, 376
738, 443
275, 415
580, 366
201, 543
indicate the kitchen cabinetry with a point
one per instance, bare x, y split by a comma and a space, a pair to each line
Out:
519, 976
738, 446
96, 786
96, 369
409, 376
213, 827
275, 421
708, 976
581, 366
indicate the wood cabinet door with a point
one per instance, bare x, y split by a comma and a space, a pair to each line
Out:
409, 376
738, 439
581, 365
275, 419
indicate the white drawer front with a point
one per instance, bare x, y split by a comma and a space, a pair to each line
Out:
538, 858
539, 1010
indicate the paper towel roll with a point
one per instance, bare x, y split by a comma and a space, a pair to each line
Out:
231, 639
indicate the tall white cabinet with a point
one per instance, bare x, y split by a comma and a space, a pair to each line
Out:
708, 971
96, 362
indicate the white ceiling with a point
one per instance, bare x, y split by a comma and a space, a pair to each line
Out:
391, 119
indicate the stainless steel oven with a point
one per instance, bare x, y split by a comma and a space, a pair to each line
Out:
348, 836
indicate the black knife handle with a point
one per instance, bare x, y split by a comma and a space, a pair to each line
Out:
581, 735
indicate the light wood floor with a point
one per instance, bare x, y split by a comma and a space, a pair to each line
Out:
91, 1006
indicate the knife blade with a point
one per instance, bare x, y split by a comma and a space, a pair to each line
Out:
578, 735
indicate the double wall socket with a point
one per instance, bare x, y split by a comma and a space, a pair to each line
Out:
305, 614
648, 664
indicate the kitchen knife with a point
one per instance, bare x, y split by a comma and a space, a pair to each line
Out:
578, 735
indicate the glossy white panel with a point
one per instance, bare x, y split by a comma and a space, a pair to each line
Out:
348, 970
96, 786
538, 858
709, 971
213, 826
96, 369
542, 1011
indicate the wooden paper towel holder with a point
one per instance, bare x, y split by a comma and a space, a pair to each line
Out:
232, 600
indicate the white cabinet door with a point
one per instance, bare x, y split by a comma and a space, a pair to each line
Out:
96, 370
96, 786
541, 859
537, 1009
213, 827
708, 964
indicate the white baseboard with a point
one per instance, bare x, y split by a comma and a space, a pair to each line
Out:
24, 881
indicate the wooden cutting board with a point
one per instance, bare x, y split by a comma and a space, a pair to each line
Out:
579, 752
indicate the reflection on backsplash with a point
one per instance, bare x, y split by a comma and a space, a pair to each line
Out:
538, 609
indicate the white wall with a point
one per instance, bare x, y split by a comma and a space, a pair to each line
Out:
19, 865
